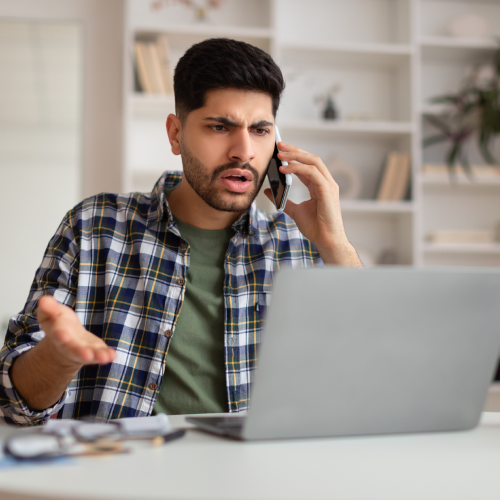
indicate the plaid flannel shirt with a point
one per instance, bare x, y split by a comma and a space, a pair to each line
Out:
117, 260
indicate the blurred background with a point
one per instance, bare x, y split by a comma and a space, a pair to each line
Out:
400, 98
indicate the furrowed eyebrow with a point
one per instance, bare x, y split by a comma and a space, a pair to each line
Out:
224, 120
261, 123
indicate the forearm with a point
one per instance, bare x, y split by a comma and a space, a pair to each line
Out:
340, 254
40, 378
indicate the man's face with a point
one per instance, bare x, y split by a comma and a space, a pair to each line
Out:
226, 146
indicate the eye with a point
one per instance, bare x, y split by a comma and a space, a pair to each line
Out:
218, 128
262, 131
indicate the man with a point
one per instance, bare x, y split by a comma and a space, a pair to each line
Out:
148, 303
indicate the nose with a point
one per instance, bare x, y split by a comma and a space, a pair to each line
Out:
241, 146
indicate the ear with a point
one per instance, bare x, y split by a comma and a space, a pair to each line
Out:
174, 133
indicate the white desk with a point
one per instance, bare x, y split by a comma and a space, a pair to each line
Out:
463, 465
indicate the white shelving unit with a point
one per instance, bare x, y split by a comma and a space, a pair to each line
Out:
389, 57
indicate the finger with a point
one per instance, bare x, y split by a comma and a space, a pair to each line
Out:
306, 158
283, 146
80, 353
103, 355
48, 309
269, 194
308, 171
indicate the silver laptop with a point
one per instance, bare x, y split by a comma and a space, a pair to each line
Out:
357, 352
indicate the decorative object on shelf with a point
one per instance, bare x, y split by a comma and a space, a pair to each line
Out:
395, 178
469, 25
388, 257
200, 8
153, 67
474, 109
346, 177
330, 110
461, 236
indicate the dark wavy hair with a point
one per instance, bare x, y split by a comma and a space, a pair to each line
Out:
222, 63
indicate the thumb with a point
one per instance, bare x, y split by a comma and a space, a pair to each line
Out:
48, 309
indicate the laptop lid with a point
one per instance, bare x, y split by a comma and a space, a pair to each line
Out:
385, 350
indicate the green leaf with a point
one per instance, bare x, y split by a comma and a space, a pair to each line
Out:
439, 124
452, 155
484, 148
443, 98
466, 166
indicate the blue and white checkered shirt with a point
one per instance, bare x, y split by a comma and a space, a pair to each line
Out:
119, 262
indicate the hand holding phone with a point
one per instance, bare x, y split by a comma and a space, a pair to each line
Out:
280, 183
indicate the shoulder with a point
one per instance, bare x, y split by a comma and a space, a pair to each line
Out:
111, 206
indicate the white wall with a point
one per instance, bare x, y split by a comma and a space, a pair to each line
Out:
60, 127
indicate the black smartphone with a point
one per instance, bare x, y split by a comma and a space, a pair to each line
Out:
279, 182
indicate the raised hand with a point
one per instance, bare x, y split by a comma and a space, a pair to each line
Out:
318, 219
71, 343
42, 374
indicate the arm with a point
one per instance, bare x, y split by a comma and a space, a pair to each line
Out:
318, 219
36, 365
42, 374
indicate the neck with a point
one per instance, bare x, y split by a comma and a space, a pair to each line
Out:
186, 205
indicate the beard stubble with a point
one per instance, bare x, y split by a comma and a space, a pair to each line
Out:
204, 183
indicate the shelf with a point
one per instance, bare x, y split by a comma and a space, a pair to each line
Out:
458, 43
457, 49
347, 127
207, 30
373, 206
366, 54
469, 248
461, 181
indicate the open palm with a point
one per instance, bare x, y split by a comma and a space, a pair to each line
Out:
73, 345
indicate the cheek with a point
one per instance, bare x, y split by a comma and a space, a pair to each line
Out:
209, 150
262, 159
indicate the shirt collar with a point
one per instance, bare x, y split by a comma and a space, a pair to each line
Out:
246, 223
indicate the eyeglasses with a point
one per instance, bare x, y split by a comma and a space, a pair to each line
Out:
77, 437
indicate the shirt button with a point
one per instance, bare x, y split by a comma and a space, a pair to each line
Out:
180, 281
153, 386
183, 246
244, 235
168, 333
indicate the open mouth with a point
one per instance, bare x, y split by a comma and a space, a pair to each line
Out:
237, 181
236, 178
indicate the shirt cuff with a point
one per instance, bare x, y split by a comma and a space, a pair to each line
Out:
13, 409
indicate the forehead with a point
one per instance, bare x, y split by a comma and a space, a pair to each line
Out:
237, 104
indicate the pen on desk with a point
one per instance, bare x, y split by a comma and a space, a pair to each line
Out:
161, 440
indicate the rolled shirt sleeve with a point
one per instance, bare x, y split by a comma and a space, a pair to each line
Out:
56, 276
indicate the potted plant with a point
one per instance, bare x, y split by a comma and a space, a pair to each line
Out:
473, 111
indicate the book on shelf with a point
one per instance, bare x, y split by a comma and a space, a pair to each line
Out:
152, 61
165, 63
140, 64
395, 177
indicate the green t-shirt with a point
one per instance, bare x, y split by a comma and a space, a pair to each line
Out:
195, 377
